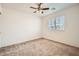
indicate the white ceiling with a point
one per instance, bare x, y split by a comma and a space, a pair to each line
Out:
25, 7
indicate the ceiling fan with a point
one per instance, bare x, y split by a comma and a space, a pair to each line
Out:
39, 8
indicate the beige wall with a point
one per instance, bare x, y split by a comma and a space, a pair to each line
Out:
17, 26
71, 33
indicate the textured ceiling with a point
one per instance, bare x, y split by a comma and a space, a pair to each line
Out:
24, 7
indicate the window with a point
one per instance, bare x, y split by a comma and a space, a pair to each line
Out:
51, 24
56, 23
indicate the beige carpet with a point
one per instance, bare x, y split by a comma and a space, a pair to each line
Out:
39, 47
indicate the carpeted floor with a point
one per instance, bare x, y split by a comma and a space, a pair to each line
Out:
39, 47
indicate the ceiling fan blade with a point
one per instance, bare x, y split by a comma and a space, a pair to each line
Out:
44, 8
33, 7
